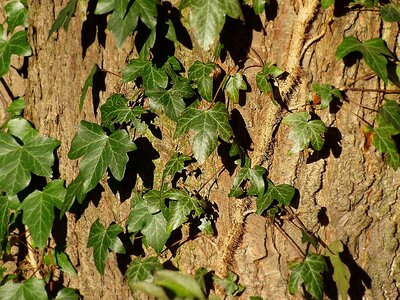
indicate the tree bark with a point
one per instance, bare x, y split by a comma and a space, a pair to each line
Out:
345, 192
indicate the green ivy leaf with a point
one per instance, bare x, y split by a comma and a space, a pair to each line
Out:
282, 193
199, 276
383, 141
175, 165
259, 6
4, 217
88, 82
151, 75
155, 232
182, 206
207, 125
104, 6
18, 160
122, 26
390, 113
308, 272
117, 109
38, 210
16, 107
234, 84
230, 285
201, 74
326, 3
264, 79
100, 152
374, 52
17, 15
61, 260
180, 284
341, 273
31, 289
64, 17
67, 294
255, 176
326, 92
304, 132
102, 239
141, 269
171, 100
390, 12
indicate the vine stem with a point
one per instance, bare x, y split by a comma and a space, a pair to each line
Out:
218, 173
289, 238
371, 90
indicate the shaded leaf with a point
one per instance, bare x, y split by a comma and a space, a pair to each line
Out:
17, 161
88, 82
374, 52
230, 285
175, 165
38, 210
207, 125
31, 289
308, 272
61, 260
303, 131
64, 17
122, 26
4, 217
390, 12
234, 84
326, 92
200, 73
101, 240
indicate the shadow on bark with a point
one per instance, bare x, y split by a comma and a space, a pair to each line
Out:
332, 145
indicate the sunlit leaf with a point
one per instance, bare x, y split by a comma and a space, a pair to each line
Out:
230, 285
175, 165
142, 269
326, 92
67, 294
31, 289
282, 193
200, 74
17, 15
390, 12
234, 84
61, 260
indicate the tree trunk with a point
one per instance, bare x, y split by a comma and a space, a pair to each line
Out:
345, 192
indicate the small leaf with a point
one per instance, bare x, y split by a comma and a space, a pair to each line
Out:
304, 132
374, 52
64, 17
308, 272
175, 165
207, 125
282, 193
180, 284
383, 141
259, 6
101, 240
38, 210
152, 76
201, 74
16, 107
67, 294
390, 12
326, 92
88, 82
341, 273
199, 276
17, 15
18, 161
104, 6
61, 260
234, 84
31, 289
327, 3
230, 285
142, 270
390, 112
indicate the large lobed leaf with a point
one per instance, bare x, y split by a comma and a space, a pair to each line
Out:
141, 269
18, 159
31, 289
207, 125
151, 75
282, 193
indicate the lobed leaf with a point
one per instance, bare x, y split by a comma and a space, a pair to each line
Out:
326, 92
200, 74
175, 165
282, 193
67, 294
16, 15
234, 84
31, 289
142, 269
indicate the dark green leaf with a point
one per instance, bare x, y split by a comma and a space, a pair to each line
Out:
326, 3
341, 273
199, 276
180, 284
207, 125
303, 132
142, 270
31, 289
61, 260
64, 17
255, 176
326, 92
175, 165
383, 141
233, 9
104, 6
183, 206
171, 100
18, 161
151, 75
38, 210
390, 12
259, 6
100, 152
201, 74
390, 112
17, 15
118, 110
374, 52
88, 82
155, 232
121, 27
206, 225
207, 17
282, 193
67, 294
5, 57
19, 44
230, 285
101, 240
16, 107
4, 217
234, 84
308, 272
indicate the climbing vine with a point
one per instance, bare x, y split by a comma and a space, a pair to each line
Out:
197, 99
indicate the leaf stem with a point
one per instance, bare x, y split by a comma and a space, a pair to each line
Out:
289, 238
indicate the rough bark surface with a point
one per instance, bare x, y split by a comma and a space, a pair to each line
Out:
344, 193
